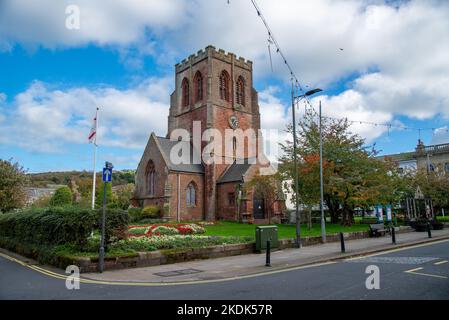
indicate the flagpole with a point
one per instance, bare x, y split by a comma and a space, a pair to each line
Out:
95, 160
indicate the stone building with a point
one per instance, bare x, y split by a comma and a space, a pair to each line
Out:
432, 158
213, 90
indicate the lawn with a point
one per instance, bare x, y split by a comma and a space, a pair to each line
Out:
284, 231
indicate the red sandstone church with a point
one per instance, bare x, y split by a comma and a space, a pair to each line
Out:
215, 90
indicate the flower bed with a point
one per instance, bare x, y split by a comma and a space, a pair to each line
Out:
165, 229
152, 243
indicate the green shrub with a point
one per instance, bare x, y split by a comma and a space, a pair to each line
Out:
135, 214
49, 226
62, 197
116, 227
151, 212
61, 225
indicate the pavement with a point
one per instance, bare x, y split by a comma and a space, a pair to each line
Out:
220, 269
247, 265
415, 268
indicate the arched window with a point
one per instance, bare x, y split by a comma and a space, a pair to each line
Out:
198, 80
151, 175
191, 195
234, 147
224, 86
240, 91
185, 92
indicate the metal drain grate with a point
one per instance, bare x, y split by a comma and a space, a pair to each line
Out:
177, 272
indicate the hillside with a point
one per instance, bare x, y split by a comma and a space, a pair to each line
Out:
41, 180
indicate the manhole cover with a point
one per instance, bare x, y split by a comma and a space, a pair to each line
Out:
398, 260
177, 272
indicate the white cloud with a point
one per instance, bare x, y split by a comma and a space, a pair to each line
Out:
441, 135
45, 119
396, 52
119, 22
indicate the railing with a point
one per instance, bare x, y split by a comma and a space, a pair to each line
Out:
439, 148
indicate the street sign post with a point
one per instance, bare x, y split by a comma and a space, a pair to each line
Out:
107, 177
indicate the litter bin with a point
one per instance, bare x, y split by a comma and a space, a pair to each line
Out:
265, 233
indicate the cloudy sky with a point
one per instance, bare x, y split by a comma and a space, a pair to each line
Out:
377, 61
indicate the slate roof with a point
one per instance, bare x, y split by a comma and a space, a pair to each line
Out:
167, 145
235, 172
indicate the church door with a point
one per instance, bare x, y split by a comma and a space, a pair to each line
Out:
258, 209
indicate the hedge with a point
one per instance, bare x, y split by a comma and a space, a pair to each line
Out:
60, 225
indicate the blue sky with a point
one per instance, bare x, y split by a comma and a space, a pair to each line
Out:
393, 69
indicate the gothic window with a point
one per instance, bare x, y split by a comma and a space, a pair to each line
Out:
234, 147
150, 174
231, 199
185, 92
191, 195
224, 86
240, 91
198, 80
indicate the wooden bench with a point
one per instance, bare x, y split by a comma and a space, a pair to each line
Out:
377, 230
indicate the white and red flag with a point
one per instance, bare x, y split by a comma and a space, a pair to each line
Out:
93, 131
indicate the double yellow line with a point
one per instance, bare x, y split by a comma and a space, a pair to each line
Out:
157, 284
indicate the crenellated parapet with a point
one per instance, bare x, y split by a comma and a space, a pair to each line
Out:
212, 52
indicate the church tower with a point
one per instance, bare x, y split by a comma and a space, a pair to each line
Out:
214, 88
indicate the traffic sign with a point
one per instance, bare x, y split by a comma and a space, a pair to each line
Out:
107, 175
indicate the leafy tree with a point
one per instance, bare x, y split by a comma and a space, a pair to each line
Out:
433, 184
267, 187
124, 194
62, 197
111, 198
353, 177
12, 182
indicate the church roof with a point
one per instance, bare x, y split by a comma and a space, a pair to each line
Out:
166, 145
235, 172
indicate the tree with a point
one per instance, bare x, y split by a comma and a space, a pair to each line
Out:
434, 184
111, 198
352, 176
62, 197
12, 185
124, 194
267, 187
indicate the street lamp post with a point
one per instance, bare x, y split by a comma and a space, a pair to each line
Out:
323, 222
295, 161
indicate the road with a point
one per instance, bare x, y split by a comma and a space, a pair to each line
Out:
420, 272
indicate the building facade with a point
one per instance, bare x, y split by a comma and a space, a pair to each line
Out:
213, 93
431, 158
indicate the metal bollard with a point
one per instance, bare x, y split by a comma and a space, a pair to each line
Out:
267, 260
393, 235
429, 233
342, 241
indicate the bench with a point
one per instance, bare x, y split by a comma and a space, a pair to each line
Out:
377, 229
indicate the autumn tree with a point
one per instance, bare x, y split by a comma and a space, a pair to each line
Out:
267, 187
434, 184
353, 176
12, 185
